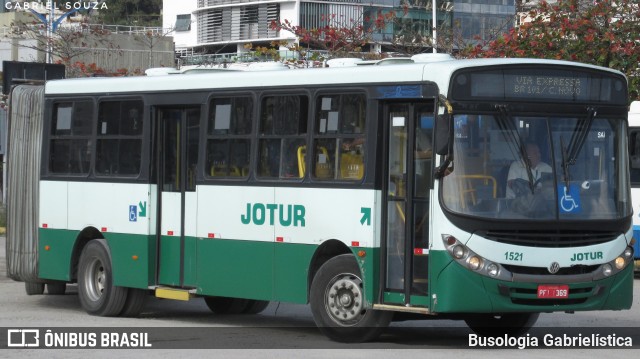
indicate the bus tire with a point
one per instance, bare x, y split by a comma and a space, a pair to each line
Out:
56, 288
256, 306
34, 288
134, 303
226, 305
98, 295
492, 325
337, 303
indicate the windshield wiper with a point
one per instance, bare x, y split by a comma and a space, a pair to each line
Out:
508, 128
565, 163
580, 135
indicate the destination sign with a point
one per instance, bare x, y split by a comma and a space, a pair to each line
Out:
545, 86
538, 84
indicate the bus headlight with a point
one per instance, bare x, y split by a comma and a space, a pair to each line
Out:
458, 251
628, 253
474, 263
606, 270
492, 269
620, 262
466, 257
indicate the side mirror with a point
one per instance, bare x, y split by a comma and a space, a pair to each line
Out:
443, 135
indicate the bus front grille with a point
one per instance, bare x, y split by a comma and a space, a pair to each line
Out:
549, 239
573, 270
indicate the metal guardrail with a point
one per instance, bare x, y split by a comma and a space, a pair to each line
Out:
9, 31
212, 59
126, 29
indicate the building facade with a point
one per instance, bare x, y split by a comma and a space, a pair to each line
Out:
227, 26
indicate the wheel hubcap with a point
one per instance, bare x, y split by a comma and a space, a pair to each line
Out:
343, 299
95, 280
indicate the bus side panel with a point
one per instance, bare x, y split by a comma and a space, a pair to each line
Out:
306, 218
234, 250
291, 271
133, 259
235, 268
55, 247
121, 213
53, 204
54, 262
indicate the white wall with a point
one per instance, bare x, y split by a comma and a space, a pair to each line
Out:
290, 11
22, 53
172, 8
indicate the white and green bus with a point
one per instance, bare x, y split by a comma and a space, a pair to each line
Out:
364, 191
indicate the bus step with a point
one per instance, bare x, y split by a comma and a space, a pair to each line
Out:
174, 293
401, 308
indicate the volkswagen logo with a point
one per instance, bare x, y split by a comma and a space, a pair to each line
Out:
554, 267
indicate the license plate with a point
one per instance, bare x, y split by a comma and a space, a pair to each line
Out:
553, 291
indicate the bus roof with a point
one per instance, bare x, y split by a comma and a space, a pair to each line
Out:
438, 72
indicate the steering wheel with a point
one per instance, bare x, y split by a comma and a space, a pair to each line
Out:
520, 187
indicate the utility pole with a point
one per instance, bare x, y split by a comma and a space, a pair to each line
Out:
52, 26
434, 26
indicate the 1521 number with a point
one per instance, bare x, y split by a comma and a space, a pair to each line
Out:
513, 256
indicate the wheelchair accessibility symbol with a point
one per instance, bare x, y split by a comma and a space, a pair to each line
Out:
569, 199
133, 213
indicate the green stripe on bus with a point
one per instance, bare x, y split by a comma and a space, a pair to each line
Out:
132, 256
54, 253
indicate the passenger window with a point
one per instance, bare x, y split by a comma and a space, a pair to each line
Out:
229, 143
70, 143
119, 138
339, 144
283, 126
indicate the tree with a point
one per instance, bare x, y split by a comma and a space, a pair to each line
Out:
405, 29
67, 44
338, 37
132, 12
150, 39
601, 32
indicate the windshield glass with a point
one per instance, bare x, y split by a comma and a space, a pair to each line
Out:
538, 168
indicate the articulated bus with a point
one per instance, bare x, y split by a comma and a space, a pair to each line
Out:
634, 153
487, 191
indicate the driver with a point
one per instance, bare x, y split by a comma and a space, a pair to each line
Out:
519, 171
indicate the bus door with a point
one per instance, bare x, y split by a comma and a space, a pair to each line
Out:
408, 172
177, 134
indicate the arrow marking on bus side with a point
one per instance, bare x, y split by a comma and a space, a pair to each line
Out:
143, 209
366, 215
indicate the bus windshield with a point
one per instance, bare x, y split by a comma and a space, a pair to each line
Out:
511, 166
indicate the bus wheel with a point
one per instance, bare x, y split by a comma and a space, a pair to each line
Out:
134, 303
256, 306
56, 288
33, 288
512, 324
337, 303
226, 305
97, 293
